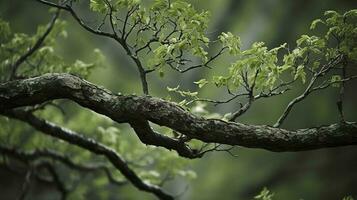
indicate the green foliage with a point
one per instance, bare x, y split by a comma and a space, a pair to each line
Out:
232, 42
265, 194
257, 67
181, 92
5, 31
188, 96
45, 60
261, 69
335, 80
98, 6
178, 32
201, 83
348, 198
342, 27
300, 73
102, 6
177, 27
314, 23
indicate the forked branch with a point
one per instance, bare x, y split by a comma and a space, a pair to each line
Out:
126, 108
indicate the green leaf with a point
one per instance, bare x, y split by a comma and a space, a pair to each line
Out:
172, 89
220, 81
300, 73
302, 39
265, 194
314, 23
315, 65
330, 12
351, 13
98, 6
183, 103
201, 83
335, 80
230, 41
348, 198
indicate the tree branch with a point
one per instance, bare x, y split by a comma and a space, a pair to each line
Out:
309, 89
77, 18
113, 35
34, 48
90, 145
56, 179
128, 108
150, 137
42, 154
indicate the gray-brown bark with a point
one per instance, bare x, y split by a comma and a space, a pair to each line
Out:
131, 109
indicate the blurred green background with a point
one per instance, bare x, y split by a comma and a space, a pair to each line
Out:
326, 174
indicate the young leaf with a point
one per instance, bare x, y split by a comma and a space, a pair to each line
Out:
201, 83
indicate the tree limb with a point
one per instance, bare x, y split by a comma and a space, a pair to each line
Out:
41, 154
56, 179
150, 137
309, 89
113, 35
77, 18
127, 108
90, 145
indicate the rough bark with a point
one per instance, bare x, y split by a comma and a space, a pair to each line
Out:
131, 108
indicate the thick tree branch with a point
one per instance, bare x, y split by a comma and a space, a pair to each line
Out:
128, 108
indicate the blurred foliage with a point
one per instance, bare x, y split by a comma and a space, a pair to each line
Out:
44, 60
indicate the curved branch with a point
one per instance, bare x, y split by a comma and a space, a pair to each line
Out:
90, 145
38, 154
34, 168
56, 179
150, 137
309, 89
127, 108
77, 18
113, 35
